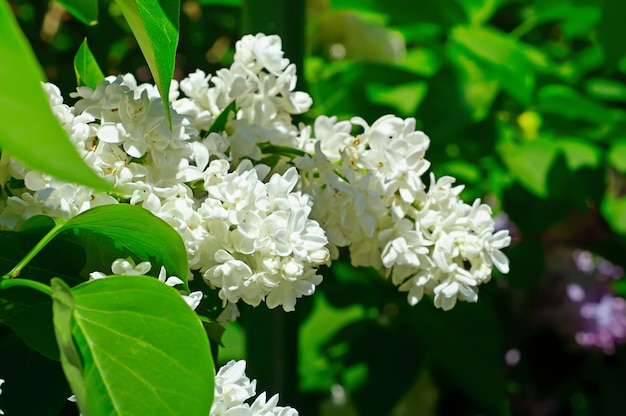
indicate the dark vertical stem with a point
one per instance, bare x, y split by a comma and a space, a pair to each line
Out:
272, 335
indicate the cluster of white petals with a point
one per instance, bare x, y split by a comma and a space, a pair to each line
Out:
233, 388
369, 196
261, 83
266, 247
246, 231
255, 226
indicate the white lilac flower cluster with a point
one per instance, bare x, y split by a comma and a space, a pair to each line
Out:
369, 196
260, 202
233, 388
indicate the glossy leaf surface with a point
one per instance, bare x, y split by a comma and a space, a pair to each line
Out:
142, 349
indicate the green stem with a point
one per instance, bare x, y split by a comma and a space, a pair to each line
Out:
282, 150
525, 27
15, 272
33, 284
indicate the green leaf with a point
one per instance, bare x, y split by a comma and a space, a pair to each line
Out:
580, 21
155, 26
63, 311
480, 84
133, 229
565, 101
84, 10
530, 161
143, 350
29, 131
579, 153
500, 55
112, 231
219, 125
86, 67
404, 98
606, 89
614, 210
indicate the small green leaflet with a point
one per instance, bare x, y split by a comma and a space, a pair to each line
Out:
86, 67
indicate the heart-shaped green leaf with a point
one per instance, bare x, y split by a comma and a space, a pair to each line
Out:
130, 228
111, 231
142, 350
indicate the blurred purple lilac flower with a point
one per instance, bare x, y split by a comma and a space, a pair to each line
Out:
578, 300
601, 322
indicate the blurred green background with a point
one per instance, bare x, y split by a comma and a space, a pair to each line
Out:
525, 103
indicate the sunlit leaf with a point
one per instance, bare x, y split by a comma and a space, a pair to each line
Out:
606, 89
29, 130
155, 26
86, 67
530, 162
501, 55
567, 102
134, 229
142, 349
614, 210
480, 85
404, 98
579, 153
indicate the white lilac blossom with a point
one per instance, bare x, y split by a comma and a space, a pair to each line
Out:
369, 196
261, 83
259, 202
266, 247
233, 388
127, 267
